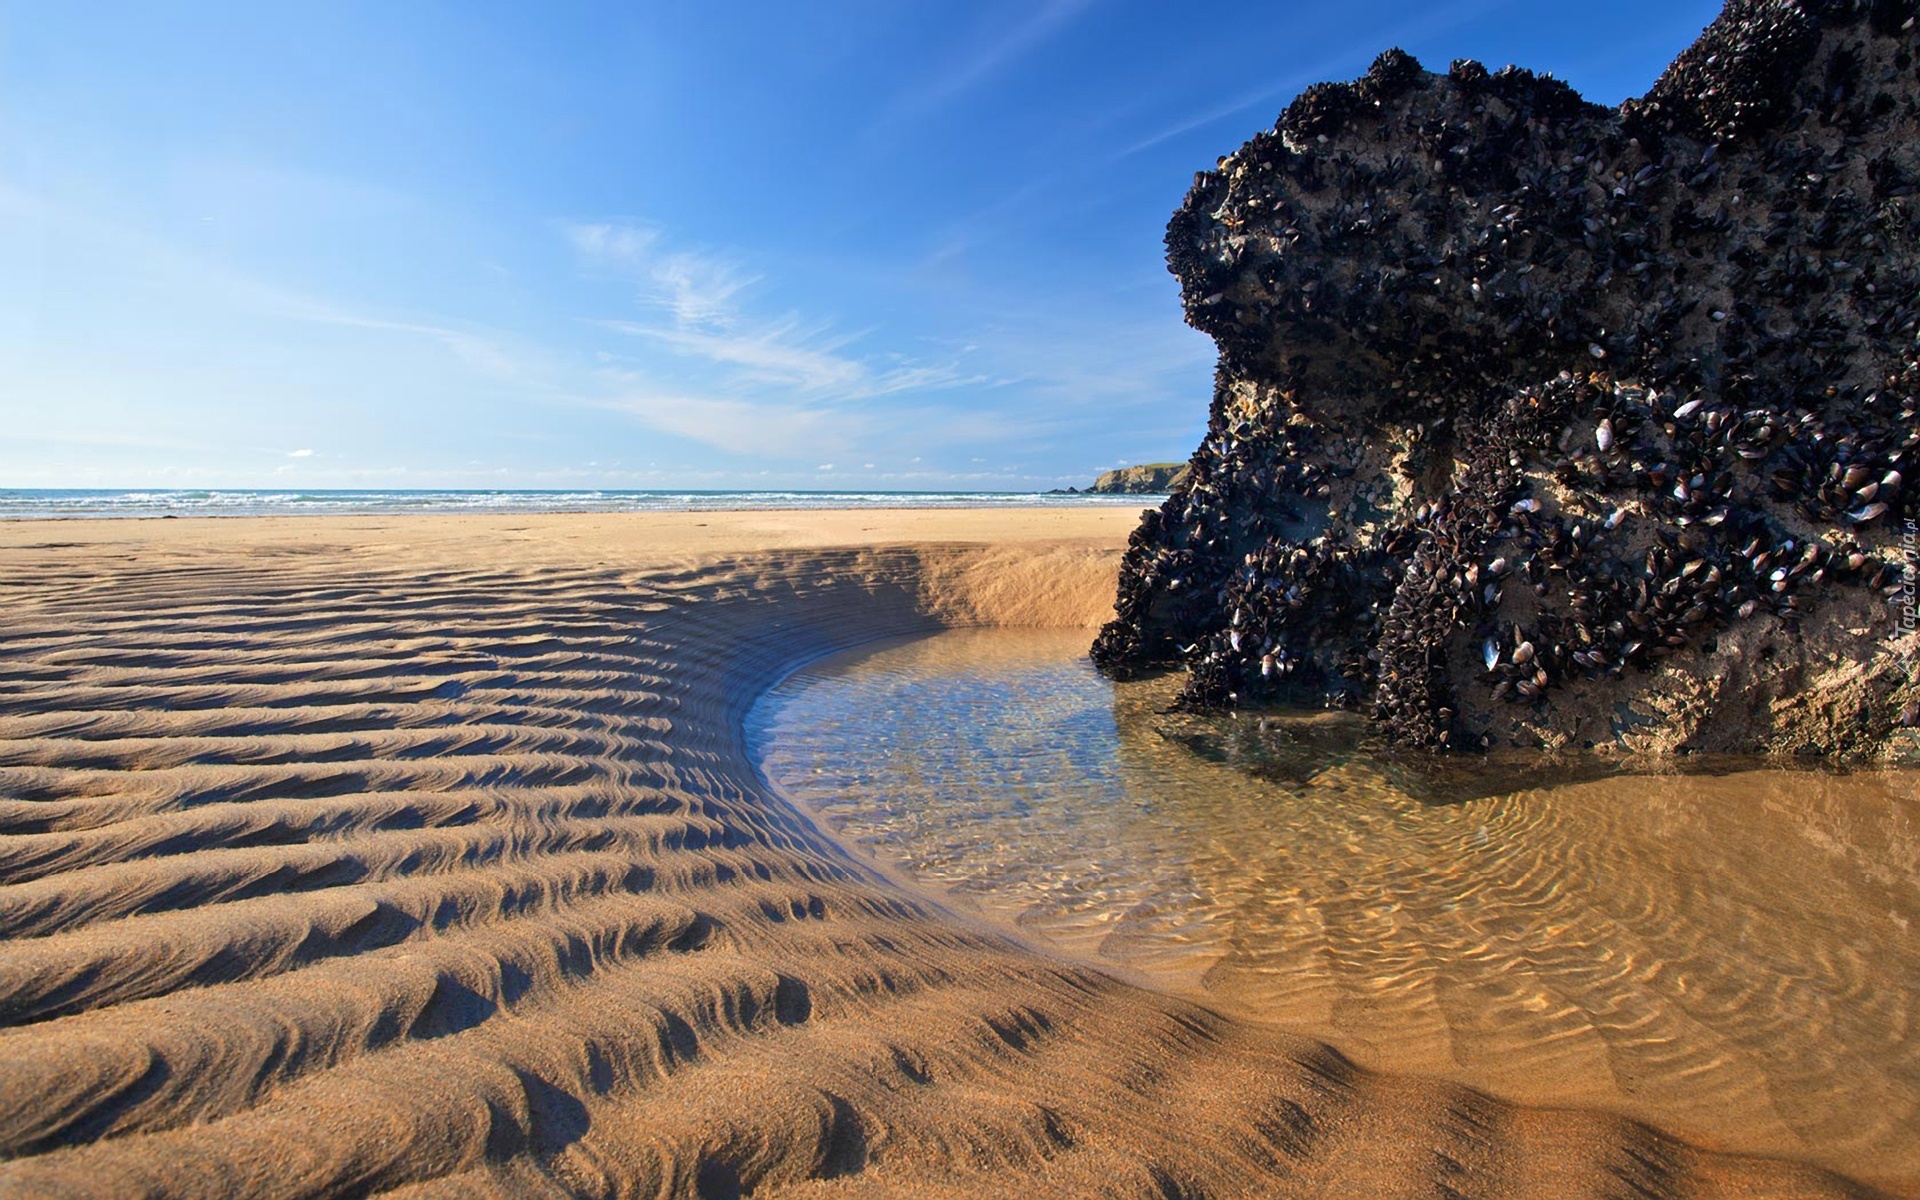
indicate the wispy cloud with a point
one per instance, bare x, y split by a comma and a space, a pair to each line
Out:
207, 280
701, 290
697, 288
1288, 86
611, 242
1343, 64
766, 356
780, 356
775, 430
781, 386
982, 63
476, 350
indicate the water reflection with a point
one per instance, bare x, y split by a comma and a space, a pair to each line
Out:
1730, 955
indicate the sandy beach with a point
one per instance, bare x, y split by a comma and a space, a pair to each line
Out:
422, 855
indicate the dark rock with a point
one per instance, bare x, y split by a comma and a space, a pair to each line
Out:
1632, 388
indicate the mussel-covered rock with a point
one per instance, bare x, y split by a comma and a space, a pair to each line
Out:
1543, 423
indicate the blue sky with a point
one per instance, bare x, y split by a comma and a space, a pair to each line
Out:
820, 245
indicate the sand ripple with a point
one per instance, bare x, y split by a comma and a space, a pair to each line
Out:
1728, 956
331, 873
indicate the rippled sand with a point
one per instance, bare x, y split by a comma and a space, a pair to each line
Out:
423, 856
1731, 955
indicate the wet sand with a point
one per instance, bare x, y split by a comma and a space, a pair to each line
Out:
423, 856
1726, 951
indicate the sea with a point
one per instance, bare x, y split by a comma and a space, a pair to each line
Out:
38, 503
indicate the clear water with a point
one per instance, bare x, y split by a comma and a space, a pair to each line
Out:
18, 503
1731, 955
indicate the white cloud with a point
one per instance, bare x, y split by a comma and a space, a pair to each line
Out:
734, 425
613, 243
782, 385
784, 354
299, 454
700, 290
207, 281
765, 356
476, 351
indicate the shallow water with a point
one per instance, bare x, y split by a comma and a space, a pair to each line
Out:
1732, 956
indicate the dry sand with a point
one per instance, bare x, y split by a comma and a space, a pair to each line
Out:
421, 855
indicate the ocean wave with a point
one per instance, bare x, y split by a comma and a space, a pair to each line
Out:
26, 503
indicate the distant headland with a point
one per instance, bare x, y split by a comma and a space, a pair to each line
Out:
1146, 479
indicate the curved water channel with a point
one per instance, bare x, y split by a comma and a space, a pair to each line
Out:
1730, 955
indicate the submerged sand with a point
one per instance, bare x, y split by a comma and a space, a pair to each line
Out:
1724, 951
422, 854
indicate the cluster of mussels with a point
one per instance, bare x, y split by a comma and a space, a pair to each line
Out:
1518, 393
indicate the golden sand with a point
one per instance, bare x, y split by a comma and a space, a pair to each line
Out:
1727, 954
422, 854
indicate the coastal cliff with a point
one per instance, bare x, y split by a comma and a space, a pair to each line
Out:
1143, 479
1541, 423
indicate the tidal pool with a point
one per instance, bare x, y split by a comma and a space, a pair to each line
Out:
1729, 954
